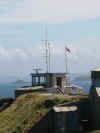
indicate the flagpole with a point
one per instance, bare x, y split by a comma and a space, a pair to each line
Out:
66, 67
66, 61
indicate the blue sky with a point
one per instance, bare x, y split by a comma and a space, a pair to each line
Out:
69, 22
25, 35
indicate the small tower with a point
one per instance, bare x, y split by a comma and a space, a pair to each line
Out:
94, 98
95, 77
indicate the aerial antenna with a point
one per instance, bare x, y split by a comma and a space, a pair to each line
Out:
49, 47
42, 46
46, 48
53, 60
47, 51
36, 69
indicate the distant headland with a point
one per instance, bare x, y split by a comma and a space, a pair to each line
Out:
19, 82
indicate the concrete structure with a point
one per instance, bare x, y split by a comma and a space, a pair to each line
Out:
53, 81
58, 120
94, 98
66, 119
63, 118
49, 80
95, 77
25, 90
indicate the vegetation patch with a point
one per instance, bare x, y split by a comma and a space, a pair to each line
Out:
95, 131
5, 102
27, 109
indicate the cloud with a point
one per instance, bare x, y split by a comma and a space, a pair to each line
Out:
84, 57
8, 6
3, 52
20, 55
52, 11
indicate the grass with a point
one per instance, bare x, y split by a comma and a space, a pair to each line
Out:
95, 131
27, 110
5, 102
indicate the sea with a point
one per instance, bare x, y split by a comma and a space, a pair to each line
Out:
83, 84
7, 89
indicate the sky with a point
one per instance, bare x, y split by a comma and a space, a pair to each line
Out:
75, 23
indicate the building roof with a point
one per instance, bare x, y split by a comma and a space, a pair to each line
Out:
48, 73
98, 91
65, 109
96, 69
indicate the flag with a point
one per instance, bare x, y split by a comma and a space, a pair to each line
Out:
67, 49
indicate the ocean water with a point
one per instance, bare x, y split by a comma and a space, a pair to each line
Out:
84, 84
7, 90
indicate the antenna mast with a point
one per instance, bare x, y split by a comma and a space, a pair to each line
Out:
36, 69
49, 57
46, 48
47, 51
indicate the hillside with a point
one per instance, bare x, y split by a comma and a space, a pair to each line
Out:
95, 131
19, 82
5, 103
27, 110
82, 78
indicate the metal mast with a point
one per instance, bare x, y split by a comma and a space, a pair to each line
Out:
36, 69
46, 48
66, 61
49, 57
47, 52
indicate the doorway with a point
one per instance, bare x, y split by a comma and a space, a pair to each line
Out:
59, 82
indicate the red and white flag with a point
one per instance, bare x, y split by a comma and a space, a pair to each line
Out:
67, 49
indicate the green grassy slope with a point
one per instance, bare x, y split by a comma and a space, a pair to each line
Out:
95, 131
5, 102
26, 111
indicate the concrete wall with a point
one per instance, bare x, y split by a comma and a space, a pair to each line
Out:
45, 125
52, 80
95, 75
20, 92
84, 109
68, 90
94, 100
54, 122
95, 78
66, 121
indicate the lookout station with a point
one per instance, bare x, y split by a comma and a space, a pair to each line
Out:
49, 79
